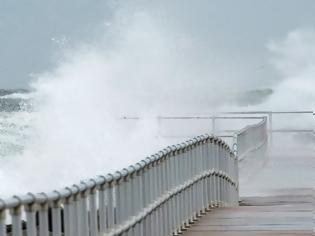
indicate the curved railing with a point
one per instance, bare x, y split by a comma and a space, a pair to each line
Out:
158, 196
252, 140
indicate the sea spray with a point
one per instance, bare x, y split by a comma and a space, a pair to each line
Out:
144, 70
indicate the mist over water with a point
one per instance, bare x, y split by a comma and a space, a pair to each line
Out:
295, 60
141, 68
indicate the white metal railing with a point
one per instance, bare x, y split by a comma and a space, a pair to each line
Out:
158, 196
271, 117
252, 140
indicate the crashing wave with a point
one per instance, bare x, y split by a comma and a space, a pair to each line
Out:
15, 100
6, 92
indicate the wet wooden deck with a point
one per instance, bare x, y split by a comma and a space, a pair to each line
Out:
285, 184
260, 216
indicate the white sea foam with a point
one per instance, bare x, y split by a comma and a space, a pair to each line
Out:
23, 96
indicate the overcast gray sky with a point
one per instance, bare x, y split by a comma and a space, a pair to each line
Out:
32, 32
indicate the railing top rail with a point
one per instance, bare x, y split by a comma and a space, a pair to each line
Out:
292, 131
268, 112
209, 117
102, 180
198, 117
216, 115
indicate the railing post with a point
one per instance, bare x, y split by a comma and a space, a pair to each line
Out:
56, 218
84, 224
118, 198
93, 211
30, 210
43, 219
110, 205
68, 216
102, 207
213, 124
77, 211
16, 220
270, 129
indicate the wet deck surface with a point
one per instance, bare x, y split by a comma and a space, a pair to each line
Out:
273, 215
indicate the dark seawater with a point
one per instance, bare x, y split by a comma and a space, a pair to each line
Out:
14, 100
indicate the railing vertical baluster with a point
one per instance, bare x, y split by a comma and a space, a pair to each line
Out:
123, 195
84, 223
208, 182
93, 211
177, 182
146, 184
183, 210
218, 164
153, 189
136, 189
85, 230
140, 193
186, 216
144, 192
154, 184
110, 206
137, 231
2, 222
43, 219
211, 190
157, 226
143, 227
132, 203
56, 218
152, 223
127, 199
173, 212
76, 211
68, 217
16, 221
102, 207
168, 176
160, 224
30, 211
208, 186
203, 180
118, 199
199, 195
161, 193
177, 222
170, 214
122, 198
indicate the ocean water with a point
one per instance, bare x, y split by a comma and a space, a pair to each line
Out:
15, 121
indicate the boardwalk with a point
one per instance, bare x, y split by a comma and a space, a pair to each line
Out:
281, 209
279, 215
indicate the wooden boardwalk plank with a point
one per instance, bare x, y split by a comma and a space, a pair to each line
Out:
277, 215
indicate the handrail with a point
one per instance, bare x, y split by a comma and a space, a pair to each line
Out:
268, 112
157, 196
250, 139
